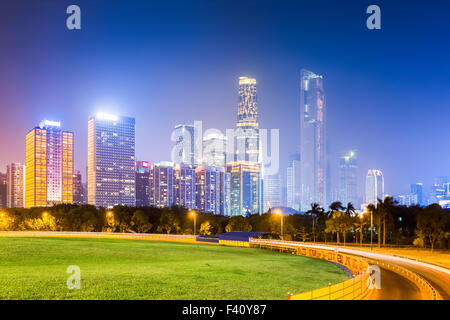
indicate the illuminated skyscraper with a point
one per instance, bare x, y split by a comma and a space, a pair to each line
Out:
111, 161
184, 186
245, 188
49, 165
161, 184
142, 184
215, 150
374, 186
313, 148
247, 138
348, 179
15, 195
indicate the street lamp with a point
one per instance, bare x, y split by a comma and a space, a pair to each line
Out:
278, 212
193, 214
110, 219
45, 215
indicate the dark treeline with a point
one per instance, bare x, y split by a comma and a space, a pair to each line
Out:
392, 224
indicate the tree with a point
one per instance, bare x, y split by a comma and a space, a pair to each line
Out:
168, 222
206, 228
431, 223
339, 223
349, 209
238, 223
385, 208
315, 211
140, 221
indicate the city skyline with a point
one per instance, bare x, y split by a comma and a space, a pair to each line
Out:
354, 66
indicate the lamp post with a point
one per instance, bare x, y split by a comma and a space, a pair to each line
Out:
278, 212
371, 230
194, 215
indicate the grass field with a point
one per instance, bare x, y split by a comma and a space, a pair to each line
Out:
35, 268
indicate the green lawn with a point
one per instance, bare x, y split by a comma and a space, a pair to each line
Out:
35, 268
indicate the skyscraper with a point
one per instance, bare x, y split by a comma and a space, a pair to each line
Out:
49, 165
245, 188
186, 146
78, 189
293, 187
374, 186
272, 192
15, 194
142, 184
246, 194
161, 184
313, 146
111, 161
215, 150
184, 186
348, 179
247, 138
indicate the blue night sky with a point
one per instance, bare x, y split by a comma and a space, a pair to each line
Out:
164, 63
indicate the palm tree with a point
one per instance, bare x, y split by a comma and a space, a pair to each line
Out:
385, 208
336, 206
350, 209
314, 212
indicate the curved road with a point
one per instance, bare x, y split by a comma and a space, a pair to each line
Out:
394, 287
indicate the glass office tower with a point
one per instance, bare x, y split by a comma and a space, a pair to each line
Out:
313, 148
111, 161
49, 165
374, 186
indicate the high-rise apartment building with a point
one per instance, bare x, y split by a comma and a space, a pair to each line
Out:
49, 165
111, 161
162, 184
313, 142
206, 189
215, 150
374, 186
184, 186
142, 184
15, 185
245, 188
348, 179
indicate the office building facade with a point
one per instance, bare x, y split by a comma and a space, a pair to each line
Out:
374, 186
49, 165
348, 179
111, 161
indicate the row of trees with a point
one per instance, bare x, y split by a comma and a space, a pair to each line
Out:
392, 224
386, 221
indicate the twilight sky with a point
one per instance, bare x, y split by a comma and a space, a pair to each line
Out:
164, 63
